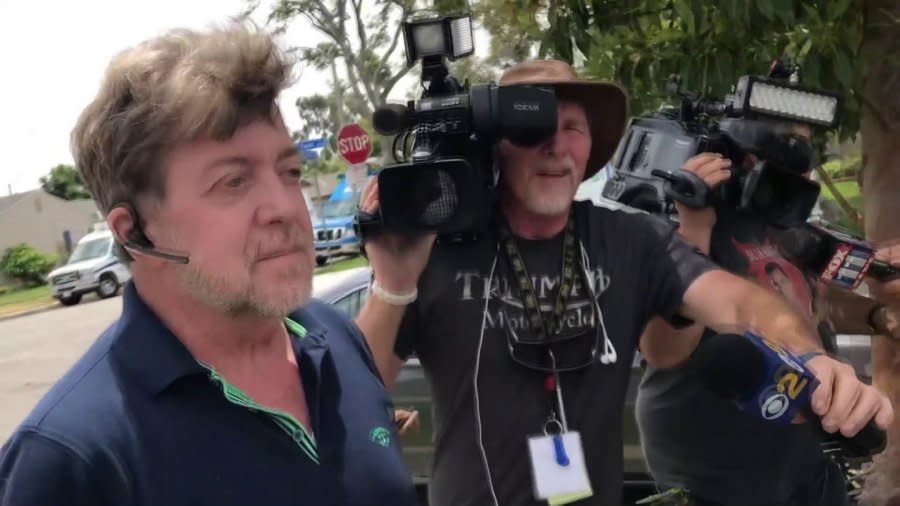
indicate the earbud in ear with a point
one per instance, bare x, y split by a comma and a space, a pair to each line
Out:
137, 240
137, 236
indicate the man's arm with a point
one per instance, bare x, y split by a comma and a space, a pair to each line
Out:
728, 303
36, 470
661, 344
380, 323
397, 262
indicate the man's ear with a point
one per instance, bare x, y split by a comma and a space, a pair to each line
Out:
120, 220
126, 227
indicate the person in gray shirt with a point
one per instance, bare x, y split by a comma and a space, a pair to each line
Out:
532, 328
697, 441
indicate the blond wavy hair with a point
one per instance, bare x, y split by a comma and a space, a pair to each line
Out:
185, 85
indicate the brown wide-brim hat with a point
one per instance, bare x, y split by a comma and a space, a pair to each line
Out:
605, 103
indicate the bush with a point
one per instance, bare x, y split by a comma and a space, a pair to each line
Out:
27, 265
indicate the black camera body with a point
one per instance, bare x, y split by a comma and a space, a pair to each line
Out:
444, 179
771, 185
655, 144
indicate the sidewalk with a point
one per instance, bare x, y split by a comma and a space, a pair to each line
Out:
34, 310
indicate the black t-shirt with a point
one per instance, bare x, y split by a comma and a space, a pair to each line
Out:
641, 269
694, 439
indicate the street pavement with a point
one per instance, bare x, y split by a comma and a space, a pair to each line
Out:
35, 350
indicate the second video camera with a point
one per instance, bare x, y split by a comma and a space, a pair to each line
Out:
648, 160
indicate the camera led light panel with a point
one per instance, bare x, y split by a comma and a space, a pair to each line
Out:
797, 104
766, 97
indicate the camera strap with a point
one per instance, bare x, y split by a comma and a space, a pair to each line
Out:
530, 305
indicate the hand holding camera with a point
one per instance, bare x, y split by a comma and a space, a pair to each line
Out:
397, 260
713, 169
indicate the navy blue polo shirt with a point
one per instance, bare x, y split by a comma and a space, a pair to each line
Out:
138, 421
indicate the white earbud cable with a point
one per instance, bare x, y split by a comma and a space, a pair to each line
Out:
478, 428
609, 355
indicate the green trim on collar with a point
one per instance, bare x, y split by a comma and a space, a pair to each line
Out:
295, 328
286, 421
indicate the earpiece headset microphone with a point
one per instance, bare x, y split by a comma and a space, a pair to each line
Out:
137, 240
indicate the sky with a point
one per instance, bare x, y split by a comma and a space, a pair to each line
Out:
54, 54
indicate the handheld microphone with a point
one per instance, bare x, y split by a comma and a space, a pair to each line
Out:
770, 382
840, 258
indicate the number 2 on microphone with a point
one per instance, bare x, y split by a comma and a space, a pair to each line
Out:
792, 383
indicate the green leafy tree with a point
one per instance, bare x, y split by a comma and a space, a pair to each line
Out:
64, 181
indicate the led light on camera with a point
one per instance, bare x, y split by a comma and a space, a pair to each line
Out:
461, 36
800, 104
429, 39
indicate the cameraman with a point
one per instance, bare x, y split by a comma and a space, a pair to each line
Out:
695, 440
508, 358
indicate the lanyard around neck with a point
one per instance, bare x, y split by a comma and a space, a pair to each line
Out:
526, 288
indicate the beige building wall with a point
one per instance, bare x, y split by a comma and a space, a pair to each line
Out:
39, 219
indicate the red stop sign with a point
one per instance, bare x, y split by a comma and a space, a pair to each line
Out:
354, 144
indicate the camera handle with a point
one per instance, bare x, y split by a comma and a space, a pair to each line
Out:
366, 225
685, 187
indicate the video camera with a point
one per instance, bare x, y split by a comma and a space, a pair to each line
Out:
648, 160
443, 180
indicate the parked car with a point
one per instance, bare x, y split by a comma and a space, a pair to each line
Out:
412, 391
333, 231
92, 267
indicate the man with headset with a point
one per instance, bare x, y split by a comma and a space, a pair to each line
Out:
218, 384
527, 335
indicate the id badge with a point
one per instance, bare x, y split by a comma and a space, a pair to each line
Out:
557, 465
